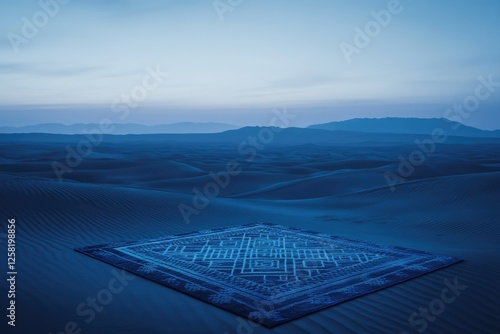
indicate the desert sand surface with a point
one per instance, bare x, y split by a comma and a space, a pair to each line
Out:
132, 189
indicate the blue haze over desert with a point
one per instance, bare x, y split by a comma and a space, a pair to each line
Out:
127, 120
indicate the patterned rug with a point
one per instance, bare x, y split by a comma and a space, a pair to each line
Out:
267, 273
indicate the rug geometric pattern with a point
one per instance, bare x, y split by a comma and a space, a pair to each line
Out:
268, 273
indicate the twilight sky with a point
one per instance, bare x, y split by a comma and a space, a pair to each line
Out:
94, 57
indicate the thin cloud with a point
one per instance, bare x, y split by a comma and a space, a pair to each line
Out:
47, 70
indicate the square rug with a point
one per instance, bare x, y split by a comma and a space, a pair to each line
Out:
268, 273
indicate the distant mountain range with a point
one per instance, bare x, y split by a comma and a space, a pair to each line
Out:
120, 129
360, 128
405, 125
248, 137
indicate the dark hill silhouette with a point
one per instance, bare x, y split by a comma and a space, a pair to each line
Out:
288, 136
405, 125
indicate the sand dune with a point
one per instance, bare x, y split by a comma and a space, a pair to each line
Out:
451, 206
